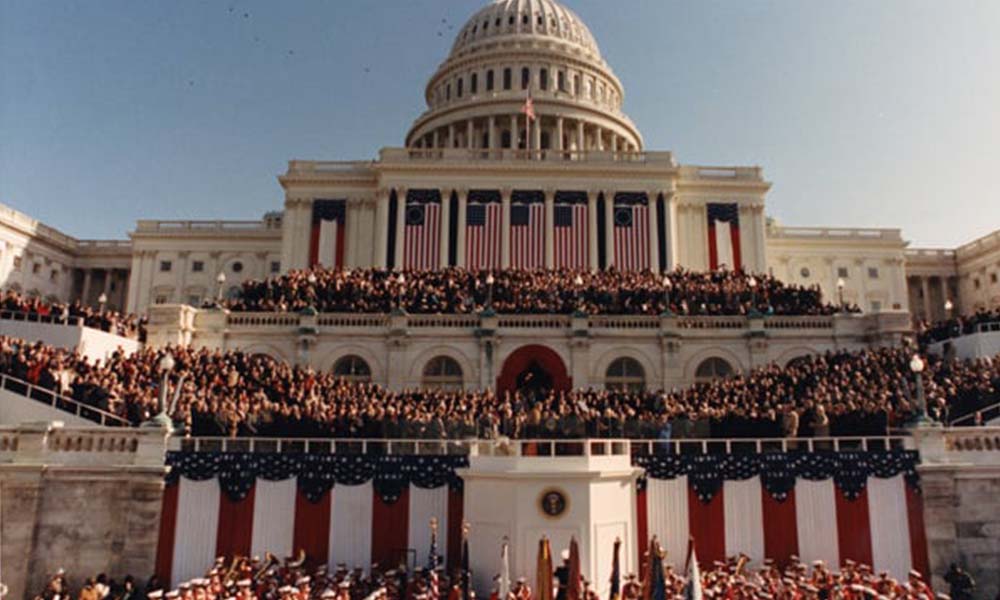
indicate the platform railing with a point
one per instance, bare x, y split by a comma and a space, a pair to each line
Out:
31, 317
59, 402
502, 447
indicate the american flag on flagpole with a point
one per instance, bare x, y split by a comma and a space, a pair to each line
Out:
482, 235
529, 107
571, 228
422, 235
527, 235
433, 560
631, 222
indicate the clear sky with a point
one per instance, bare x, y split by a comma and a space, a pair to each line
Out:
864, 113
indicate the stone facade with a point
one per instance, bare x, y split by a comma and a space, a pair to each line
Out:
87, 500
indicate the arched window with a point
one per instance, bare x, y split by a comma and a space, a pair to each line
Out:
353, 368
713, 368
625, 374
442, 372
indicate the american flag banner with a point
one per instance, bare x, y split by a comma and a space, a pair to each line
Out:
571, 229
631, 223
433, 560
327, 236
527, 231
483, 223
724, 236
422, 233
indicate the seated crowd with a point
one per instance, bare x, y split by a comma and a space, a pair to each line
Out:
238, 394
14, 304
298, 579
457, 290
955, 327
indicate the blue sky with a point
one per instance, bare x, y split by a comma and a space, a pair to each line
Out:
874, 113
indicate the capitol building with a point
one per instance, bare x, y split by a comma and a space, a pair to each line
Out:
523, 158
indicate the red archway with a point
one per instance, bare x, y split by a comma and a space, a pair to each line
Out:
528, 356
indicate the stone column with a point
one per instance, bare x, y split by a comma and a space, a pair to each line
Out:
470, 134
559, 135
182, 266
85, 294
598, 138
451, 135
654, 233
609, 228
437, 139
550, 231
493, 133
925, 289
581, 139
463, 199
444, 228
536, 135
614, 142
381, 227
594, 261
513, 132
505, 227
669, 221
400, 226
942, 282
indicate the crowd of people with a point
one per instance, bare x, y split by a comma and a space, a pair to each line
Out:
15, 305
232, 393
296, 578
457, 290
958, 326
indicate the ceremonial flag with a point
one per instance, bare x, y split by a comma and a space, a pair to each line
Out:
574, 592
432, 562
543, 571
693, 589
527, 235
631, 223
572, 232
327, 236
616, 572
483, 222
724, 236
529, 107
658, 586
422, 235
466, 571
504, 569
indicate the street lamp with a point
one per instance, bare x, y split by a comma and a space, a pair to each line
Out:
102, 300
400, 282
577, 300
162, 419
917, 365
752, 282
489, 292
667, 286
948, 306
841, 284
220, 281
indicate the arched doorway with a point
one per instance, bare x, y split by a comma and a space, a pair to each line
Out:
534, 369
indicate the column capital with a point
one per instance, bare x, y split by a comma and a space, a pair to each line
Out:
550, 193
506, 192
401, 191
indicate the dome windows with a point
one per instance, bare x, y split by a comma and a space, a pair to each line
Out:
489, 80
525, 78
474, 83
543, 78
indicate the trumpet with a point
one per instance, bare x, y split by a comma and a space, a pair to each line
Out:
234, 571
270, 560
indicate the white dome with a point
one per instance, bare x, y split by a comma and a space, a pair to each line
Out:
536, 18
511, 48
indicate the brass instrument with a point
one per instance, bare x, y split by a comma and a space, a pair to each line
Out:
270, 560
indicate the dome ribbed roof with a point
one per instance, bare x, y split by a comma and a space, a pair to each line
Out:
536, 18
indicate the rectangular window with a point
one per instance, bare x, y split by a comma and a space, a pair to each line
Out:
543, 79
198, 266
35, 268
576, 85
506, 78
165, 266
458, 90
842, 272
447, 92
54, 275
872, 272
17, 263
561, 80
489, 80
993, 277
474, 83
160, 300
275, 266
525, 78
975, 283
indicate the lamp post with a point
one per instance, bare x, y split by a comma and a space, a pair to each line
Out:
841, 284
917, 365
489, 292
667, 286
400, 282
102, 300
948, 307
752, 282
220, 280
162, 419
577, 300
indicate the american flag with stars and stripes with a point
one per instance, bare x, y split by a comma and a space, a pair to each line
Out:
433, 560
571, 229
422, 235
527, 235
631, 223
482, 235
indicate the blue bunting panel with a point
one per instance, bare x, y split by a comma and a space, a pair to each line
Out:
390, 475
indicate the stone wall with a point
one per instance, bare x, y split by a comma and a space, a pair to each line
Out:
960, 478
87, 500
